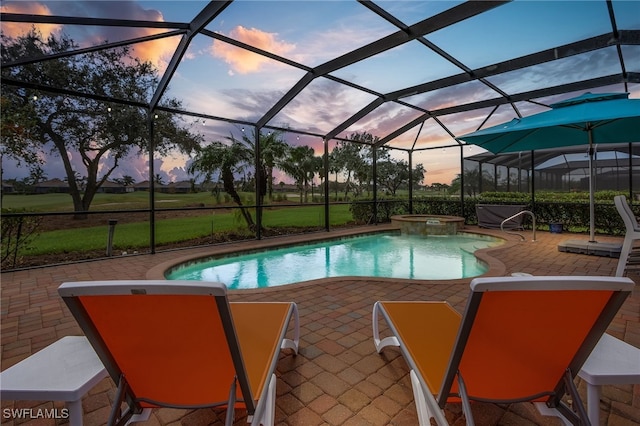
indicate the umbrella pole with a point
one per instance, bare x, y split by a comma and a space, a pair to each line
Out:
592, 206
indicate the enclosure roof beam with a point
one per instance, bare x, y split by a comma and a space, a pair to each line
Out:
32, 60
210, 11
433, 47
524, 96
434, 23
77, 20
584, 46
68, 92
540, 93
564, 51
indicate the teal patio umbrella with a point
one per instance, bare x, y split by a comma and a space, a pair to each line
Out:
589, 119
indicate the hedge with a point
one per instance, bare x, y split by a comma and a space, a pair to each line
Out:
570, 209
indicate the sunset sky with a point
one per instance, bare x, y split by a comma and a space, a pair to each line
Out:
218, 79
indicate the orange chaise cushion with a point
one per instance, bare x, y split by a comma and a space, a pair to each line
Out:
523, 341
428, 330
259, 327
171, 348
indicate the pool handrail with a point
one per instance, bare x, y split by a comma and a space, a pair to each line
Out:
533, 217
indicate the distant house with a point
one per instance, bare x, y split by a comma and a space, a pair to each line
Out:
51, 186
109, 187
142, 186
182, 187
7, 188
286, 188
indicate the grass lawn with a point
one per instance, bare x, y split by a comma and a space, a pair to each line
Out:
131, 236
129, 201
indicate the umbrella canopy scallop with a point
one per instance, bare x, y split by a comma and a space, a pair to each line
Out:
587, 119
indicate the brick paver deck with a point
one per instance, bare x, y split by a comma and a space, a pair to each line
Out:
338, 378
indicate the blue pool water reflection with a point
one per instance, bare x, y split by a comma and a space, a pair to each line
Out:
374, 255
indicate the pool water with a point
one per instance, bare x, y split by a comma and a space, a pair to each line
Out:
376, 255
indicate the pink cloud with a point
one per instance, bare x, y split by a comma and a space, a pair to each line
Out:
15, 29
244, 61
157, 52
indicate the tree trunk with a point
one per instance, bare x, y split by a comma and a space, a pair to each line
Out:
74, 191
346, 185
270, 182
91, 186
227, 182
262, 185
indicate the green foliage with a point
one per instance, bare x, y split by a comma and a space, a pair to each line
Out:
575, 216
548, 196
362, 210
100, 133
302, 165
504, 197
571, 209
16, 126
305, 216
135, 236
233, 158
105, 201
442, 206
17, 233
354, 159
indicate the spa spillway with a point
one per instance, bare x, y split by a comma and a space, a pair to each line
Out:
426, 224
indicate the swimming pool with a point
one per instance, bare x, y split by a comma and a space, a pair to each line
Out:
375, 255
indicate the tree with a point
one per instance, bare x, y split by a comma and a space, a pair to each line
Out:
392, 175
302, 165
349, 158
238, 159
273, 150
440, 187
364, 175
101, 134
125, 180
472, 182
15, 127
16, 233
355, 159
418, 175
335, 167
229, 160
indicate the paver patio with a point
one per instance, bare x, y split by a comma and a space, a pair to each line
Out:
338, 378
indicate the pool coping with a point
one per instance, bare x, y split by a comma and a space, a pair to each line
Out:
494, 265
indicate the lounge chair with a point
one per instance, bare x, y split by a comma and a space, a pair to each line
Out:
632, 234
520, 339
181, 344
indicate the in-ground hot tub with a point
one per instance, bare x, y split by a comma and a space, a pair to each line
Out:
428, 224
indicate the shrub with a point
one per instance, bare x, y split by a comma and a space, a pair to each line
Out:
569, 208
17, 232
